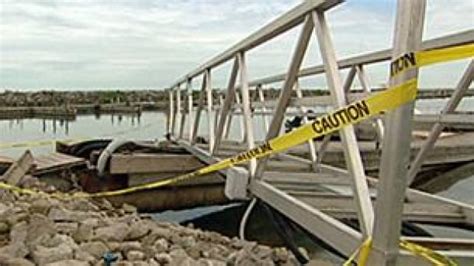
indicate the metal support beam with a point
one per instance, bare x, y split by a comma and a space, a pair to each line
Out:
226, 107
171, 112
311, 146
184, 113
450, 106
261, 97
396, 143
325, 142
247, 114
190, 107
349, 142
178, 108
199, 110
175, 113
243, 135
285, 95
218, 111
364, 82
374, 57
340, 236
209, 101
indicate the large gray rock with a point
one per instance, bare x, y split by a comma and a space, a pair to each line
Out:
160, 232
114, 232
83, 256
56, 240
3, 208
180, 257
68, 263
218, 251
211, 262
186, 242
9, 261
125, 247
122, 263
152, 262
280, 255
94, 222
263, 252
43, 255
84, 232
42, 205
4, 228
114, 246
135, 255
63, 215
19, 232
39, 228
163, 258
14, 216
81, 205
139, 229
96, 248
161, 245
66, 228
17, 247
15, 250
127, 208
140, 263
244, 257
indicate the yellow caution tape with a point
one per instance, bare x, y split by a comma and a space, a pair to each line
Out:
429, 254
363, 251
20, 190
432, 256
430, 57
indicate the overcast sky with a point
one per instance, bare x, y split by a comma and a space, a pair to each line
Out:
122, 44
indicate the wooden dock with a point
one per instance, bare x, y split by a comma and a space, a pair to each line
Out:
56, 161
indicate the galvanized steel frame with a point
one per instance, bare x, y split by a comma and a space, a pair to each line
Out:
310, 14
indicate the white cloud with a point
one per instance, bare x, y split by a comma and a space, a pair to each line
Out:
150, 43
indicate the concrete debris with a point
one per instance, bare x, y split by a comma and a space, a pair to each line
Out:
43, 231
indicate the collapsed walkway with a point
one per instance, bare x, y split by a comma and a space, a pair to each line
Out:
317, 196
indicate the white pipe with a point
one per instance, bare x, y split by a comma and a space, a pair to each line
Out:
105, 155
243, 222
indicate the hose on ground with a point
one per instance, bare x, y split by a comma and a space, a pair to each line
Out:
245, 218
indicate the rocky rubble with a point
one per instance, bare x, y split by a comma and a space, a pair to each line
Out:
36, 230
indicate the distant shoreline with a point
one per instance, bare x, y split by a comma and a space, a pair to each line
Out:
84, 101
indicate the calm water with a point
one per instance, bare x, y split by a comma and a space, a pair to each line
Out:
147, 126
